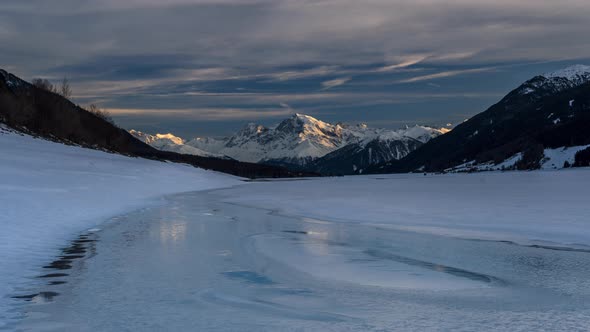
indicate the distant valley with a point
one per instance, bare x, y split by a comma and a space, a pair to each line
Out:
541, 124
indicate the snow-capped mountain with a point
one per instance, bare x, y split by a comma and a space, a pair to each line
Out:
301, 141
169, 142
157, 140
373, 150
296, 140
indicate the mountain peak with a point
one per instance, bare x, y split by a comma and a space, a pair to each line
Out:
570, 73
299, 123
304, 117
252, 129
556, 81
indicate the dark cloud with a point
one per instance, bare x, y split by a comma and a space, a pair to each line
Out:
382, 61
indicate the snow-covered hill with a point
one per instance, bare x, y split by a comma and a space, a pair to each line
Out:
301, 140
540, 124
50, 193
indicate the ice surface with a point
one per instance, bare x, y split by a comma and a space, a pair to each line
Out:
50, 192
196, 264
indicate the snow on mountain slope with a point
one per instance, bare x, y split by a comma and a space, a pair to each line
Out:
552, 159
51, 192
473, 166
301, 139
572, 73
424, 134
556, 81
556, 158
355, 158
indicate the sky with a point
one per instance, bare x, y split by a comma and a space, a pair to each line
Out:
208, 67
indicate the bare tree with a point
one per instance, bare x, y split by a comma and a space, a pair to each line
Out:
44, 84
65, 90
103, 114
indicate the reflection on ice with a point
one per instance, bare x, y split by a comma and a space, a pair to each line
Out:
172, 231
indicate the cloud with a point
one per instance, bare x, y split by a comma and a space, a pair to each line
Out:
406, 63
227, 55
444, 74
294, 74
334, 83
204, 114
264, 33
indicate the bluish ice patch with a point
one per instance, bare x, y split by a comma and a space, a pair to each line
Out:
249, 276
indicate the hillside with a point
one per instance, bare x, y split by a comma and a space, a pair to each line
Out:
549, 111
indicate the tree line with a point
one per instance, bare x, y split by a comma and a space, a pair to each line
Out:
65, 90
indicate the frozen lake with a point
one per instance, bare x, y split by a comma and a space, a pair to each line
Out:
200, 263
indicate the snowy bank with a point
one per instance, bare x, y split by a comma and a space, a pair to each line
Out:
548, 207
49, 192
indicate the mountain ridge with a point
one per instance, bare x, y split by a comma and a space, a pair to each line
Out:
301, 141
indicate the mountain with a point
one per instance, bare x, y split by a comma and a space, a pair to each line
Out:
169, 142
375, 149
303, 142
42, 113
543, 123
294, 141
